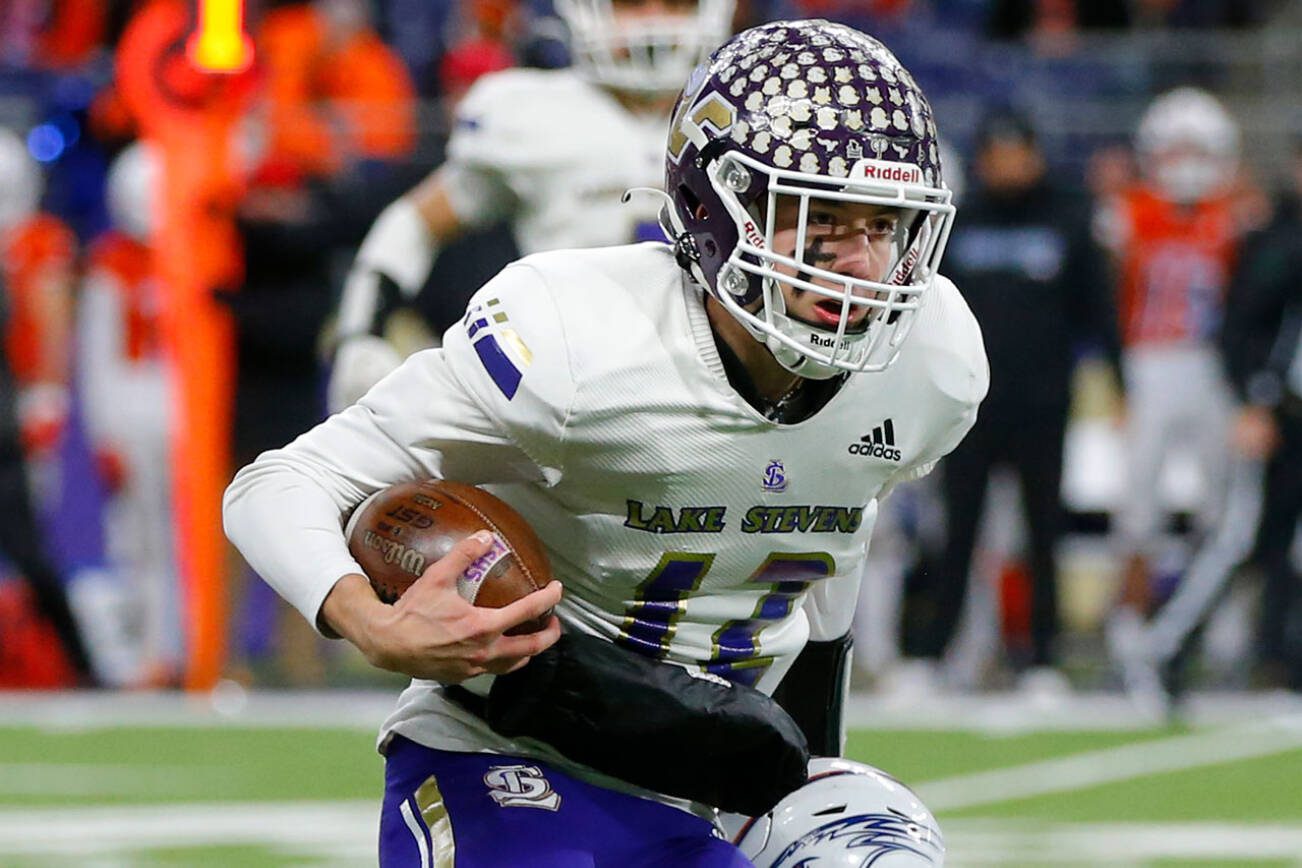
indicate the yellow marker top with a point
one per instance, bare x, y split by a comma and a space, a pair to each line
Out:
219, 43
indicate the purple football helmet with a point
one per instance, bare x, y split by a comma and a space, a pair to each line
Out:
806, 111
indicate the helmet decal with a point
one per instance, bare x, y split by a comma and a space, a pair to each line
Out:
869, 836
847, 813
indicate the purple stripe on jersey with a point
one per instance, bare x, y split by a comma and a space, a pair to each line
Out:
499, 366
476, 326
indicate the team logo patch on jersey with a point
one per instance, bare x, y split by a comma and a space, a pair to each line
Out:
521, 786
500, 349
775, 476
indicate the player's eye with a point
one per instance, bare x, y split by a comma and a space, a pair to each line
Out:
822, 218
882, 227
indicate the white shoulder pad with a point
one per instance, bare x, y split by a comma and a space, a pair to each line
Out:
950, 338
509, 352
518, 118
949, 376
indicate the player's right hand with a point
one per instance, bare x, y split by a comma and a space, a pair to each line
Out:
432, 632
1254, 433
360, 362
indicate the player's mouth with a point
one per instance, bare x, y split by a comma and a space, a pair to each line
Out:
827, 313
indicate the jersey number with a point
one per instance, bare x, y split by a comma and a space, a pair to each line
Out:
651, 621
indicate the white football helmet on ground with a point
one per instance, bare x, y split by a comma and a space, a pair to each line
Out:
1188, 144
652, 51
849, 815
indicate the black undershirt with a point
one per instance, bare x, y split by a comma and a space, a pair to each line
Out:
806, 399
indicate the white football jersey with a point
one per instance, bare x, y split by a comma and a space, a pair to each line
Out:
585, 388
554, 153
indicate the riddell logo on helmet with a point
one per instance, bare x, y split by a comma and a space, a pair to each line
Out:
753, 235
829, 343
882, 170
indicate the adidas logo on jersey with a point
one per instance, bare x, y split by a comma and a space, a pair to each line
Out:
879, 444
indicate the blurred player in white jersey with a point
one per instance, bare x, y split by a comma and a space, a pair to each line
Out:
552, 151
127, 390
700, 432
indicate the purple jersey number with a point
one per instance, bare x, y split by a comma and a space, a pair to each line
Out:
651, 621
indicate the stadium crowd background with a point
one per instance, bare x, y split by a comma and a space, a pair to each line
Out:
159, 341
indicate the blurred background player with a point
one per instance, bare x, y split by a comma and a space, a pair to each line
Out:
516, 153
1263, 353
36, 274
1174, 236
126, 390
1262, 342
1024, 256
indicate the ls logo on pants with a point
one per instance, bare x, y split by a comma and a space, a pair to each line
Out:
521, 786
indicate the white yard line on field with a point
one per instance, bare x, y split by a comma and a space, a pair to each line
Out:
343, 830
228, 706
1079, 771
1011, 842
343, 833
89, 780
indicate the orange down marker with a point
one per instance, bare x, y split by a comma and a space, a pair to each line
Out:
219, 43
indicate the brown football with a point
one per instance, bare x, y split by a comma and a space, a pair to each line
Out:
399, 531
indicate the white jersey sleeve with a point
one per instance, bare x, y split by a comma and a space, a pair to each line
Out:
439, 415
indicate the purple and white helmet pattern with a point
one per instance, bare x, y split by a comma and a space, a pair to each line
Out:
813, 111
846, 814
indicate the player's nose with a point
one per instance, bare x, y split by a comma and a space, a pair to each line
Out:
854, 257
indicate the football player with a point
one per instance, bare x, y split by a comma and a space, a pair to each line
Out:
700, 432
551, 150
1174, 235
38, 257
126, 389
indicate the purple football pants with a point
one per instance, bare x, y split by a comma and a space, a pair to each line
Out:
473, 810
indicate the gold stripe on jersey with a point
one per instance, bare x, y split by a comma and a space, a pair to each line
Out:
434, 811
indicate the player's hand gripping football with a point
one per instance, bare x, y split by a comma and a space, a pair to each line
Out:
431, 631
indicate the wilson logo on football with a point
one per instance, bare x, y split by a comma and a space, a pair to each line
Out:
879, 444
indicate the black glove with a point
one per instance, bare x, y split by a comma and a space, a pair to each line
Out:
653, 724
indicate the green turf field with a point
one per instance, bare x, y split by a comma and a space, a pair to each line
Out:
87, 789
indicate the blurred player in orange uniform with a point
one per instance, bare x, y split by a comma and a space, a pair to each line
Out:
39, 258
126, 387
1174, 235
335, 93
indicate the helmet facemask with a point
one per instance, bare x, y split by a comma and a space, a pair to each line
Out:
643, 54
753, 194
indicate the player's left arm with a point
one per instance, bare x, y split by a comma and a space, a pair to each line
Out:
813, 690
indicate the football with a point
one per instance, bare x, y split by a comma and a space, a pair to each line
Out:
398, 532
